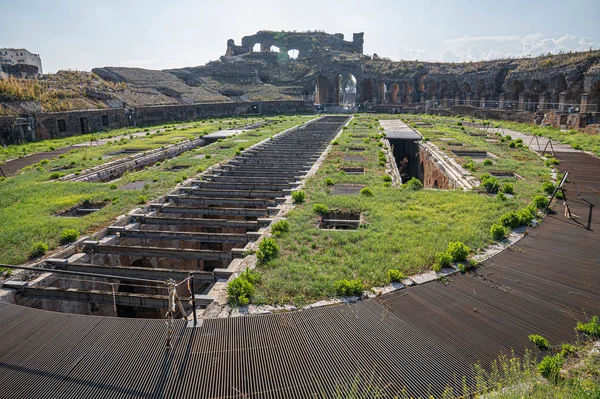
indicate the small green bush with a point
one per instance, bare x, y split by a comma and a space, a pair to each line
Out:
387, 178
501, 196
539, 201
548, 187
54, 175
510, 219
238, 152
320, 209
329, 181
395, 275
298, 196
512, 144
550, 366
142, 199
335, 142
366, 191
487, 162
461, 268
267, 249
525, 216
38, 249
539, 341
551, 162
591, 329
241, 289
567, 349
458, 251
497, 231
442, 260
413, 184
280, 228
490, 183
508, 188
348, 287
68, 236
469, 166
208, 156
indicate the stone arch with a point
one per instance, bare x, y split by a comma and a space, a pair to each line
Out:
444, 89
321, 90
407, 92
479, 89
594, 97
394, 90
274, 49
345, 89
431, 89
293, 53
368, 90
382, 92
557, 86
516, 88
256, 48
455, 89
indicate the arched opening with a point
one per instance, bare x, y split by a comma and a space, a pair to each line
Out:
368, 91
293, 53
382, 92
480, 89
466, 90
430, 90
516, 88
444, 90
345, 89
395, 88
559, 84
594, 98
257, 48
274, 49
321, 90
407, 92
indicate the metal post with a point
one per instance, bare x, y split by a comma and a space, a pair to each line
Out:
193, 298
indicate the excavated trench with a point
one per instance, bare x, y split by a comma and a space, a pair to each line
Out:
199, 228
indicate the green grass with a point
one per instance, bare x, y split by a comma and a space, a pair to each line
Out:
30, 199
404, 228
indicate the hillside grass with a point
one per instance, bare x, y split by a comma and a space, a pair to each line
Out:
404, 229
30, 200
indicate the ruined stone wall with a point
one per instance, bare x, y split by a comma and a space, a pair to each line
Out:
433, 175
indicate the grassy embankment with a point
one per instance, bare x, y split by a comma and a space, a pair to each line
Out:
404, 228
30, 200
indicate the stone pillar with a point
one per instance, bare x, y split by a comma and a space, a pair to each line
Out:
542, 101
501, 101
562, 100
482, 102
584, 101
456, 99
422, 100
469, 99
521, 102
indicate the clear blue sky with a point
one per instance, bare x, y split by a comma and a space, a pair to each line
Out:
82, 34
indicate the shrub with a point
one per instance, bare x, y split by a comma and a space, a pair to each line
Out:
238, 152
458, 251
469, 166
208, 156
54, 175
510, 219
442, 260
320, 209
395, 275
142, 199
387, 178
525, 216
548, 187
549, 367
508, 188
68, 236
591, 329
512, 144
267, 250
241, 289
539, 201
280, 228
38, 249
490, 183
567, 349
298, 196
413, 184
366, 191
551, 162
487, 162
501, 196
497, 231
539, 341
335, 142
329, 181
461, 268
349, 287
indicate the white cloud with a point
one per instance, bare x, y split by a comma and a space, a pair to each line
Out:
469, 48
